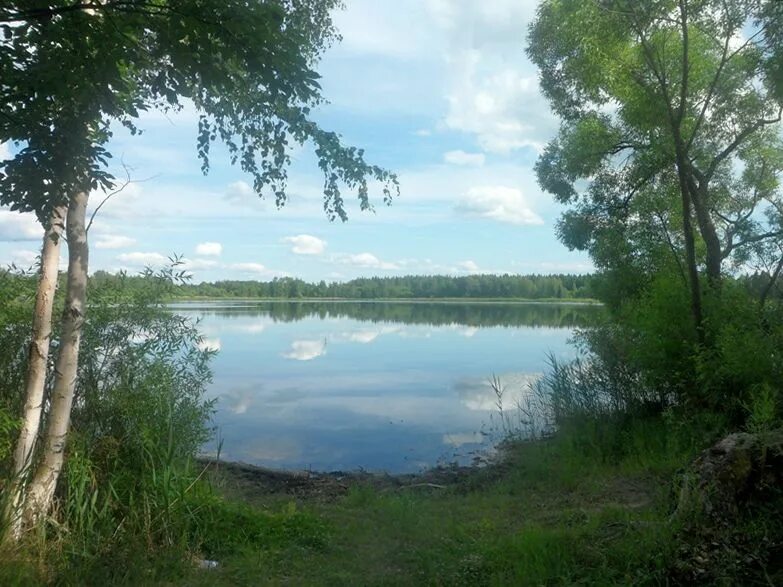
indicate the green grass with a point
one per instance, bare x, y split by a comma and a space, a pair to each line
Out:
547, 516
590, 507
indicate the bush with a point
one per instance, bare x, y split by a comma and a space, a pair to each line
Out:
129, 487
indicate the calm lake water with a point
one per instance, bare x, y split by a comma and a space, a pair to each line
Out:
381, 386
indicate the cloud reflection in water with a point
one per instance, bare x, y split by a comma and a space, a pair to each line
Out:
477, 393
306, 350
398, 388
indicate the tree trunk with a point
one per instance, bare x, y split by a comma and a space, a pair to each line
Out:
770, 284
681, 161
690, 249
714, 257
36, 369
44, 483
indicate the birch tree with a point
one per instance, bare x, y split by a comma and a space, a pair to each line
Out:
71, 71
37, 364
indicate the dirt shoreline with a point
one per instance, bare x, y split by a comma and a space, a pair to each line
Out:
308, 485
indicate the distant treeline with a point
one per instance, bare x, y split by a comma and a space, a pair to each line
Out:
530, 287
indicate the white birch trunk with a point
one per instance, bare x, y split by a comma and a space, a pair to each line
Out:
44, 483
37, 361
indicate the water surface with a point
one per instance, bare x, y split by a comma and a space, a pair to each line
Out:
374, 385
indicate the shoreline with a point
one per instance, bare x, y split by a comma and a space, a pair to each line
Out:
541, 301
304, 484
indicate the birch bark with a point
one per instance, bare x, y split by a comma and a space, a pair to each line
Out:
37, 363
41, 490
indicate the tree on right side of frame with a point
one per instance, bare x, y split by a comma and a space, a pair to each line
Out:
669, 150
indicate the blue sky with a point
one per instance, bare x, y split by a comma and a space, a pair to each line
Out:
439, 91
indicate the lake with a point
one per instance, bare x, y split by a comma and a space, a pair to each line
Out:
381, 386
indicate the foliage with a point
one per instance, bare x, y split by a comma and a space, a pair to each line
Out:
561, 286
763, 408
16, 291
670, 117
140, 417
669, 159
71, 71
134, 505
551, 513
644, 358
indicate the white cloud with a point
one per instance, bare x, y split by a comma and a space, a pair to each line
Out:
306, 350
469, 266
197, 264
384, 29
363, 336
568, 267
305, 244
369, 335
5, 152
554, 267
19, 227
252, 328
493, 92
367, 260
114, 241
139, 259
478, 394
463, 158
500, 203
238, 400
209, 249
248, 267
125, 204
240, 192
411, 78
496, 107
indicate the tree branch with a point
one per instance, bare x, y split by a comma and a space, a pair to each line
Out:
738, 140
673, 249
713, 85
128, 181
750, 240
685, 63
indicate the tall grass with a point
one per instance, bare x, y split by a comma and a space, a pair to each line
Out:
598, 413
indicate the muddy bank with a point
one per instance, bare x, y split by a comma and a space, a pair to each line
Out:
326, 486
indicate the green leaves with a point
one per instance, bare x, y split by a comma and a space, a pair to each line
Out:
654, 94
246, 66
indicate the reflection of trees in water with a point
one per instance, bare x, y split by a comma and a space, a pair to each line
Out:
434, 314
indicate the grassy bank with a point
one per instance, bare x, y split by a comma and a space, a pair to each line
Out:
542, 516
591, 506
583, 507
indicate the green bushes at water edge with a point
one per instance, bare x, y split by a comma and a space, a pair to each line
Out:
132, 505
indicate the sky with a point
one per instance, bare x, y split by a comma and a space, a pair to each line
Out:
438, 91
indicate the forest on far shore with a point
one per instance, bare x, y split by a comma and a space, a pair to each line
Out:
532, 287
561, 286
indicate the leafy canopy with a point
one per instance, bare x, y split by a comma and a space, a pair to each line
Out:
647, 91
70, 70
